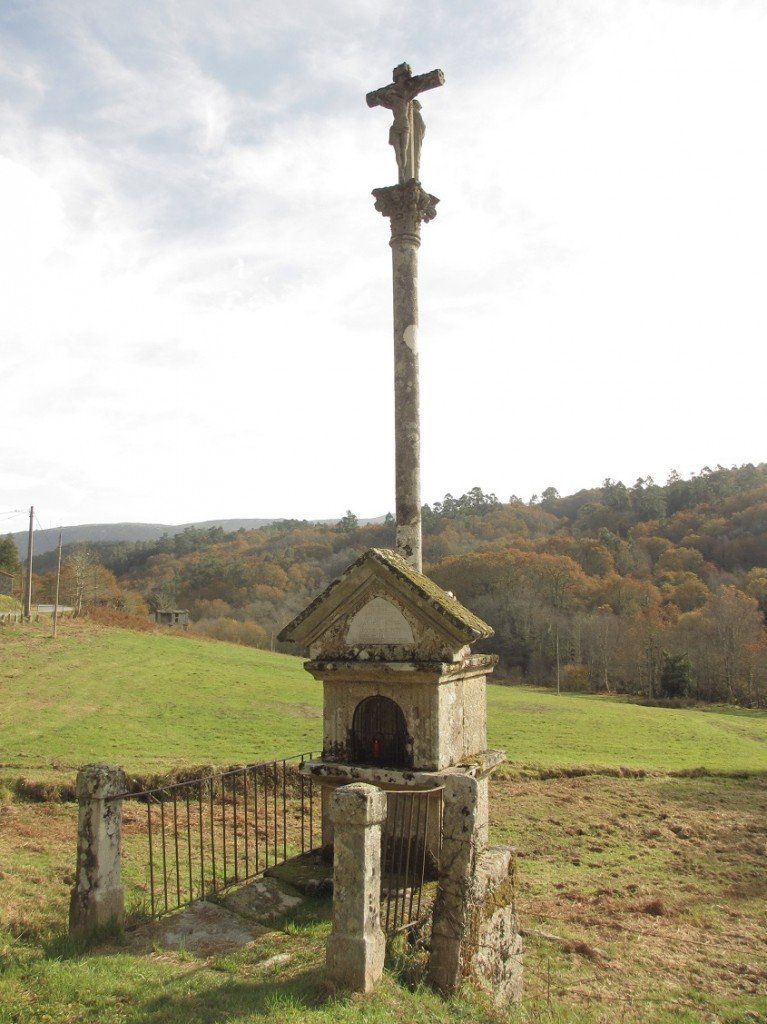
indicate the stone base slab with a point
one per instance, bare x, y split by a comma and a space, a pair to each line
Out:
498, 960
340, 773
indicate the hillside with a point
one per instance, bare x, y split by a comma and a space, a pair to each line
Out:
153, 702
648, 589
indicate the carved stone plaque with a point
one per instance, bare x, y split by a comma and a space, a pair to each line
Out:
379, 622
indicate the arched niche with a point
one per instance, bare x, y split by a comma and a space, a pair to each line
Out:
379, 734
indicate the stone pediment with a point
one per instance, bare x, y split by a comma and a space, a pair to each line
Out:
383, 609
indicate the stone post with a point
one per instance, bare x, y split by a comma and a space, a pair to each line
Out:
474, 930
406, 205
97, 899
356, 946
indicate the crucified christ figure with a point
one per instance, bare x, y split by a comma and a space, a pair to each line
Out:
408, 128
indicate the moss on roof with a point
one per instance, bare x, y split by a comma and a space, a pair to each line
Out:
445, 602
440, 600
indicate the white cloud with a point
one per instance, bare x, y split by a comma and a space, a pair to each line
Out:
197, 294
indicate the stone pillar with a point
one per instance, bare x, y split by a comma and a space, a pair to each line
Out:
464, 837
356, 946
474, 930
406, 205
97, 899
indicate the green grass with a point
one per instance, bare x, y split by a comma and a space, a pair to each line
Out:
662, 879
9, 604
152, 702
658, 885
541, 728
148, 701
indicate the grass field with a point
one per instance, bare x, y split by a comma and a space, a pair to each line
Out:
153, 702
655, 887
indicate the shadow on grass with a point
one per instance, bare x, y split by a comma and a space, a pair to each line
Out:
105, 942
312, 917
271, 997
309, 918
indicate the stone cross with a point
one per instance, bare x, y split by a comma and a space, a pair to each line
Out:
406, 205
408, 129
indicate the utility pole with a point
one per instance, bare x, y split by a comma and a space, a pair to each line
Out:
28, 587
558, 680
58, 580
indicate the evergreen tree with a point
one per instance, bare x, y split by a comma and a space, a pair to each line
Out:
348, 524
676, 675
9, 557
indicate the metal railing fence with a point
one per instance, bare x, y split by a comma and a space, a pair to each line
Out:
410, 844
203, 835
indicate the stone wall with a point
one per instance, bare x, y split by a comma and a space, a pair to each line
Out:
475, 933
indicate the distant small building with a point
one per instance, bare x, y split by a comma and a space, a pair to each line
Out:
48, 609
176, 618
6, 582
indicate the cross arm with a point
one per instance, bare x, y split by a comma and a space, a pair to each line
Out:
410, 86
431, 80
380, 97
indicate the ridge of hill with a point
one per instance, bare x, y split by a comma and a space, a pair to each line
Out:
96, 533
46, 541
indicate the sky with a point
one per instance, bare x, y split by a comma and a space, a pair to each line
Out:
195, 289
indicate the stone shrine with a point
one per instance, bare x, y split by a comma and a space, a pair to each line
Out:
404, 708
403, 697
401, 688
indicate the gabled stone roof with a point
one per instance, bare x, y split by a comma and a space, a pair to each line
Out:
458, 619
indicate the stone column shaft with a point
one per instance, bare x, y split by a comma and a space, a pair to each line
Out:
407, 414
406, 205
356, 946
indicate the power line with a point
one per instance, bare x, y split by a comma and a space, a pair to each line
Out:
39, 524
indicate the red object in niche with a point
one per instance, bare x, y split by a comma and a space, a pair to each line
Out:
375, 748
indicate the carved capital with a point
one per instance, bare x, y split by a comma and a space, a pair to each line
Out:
406, 205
